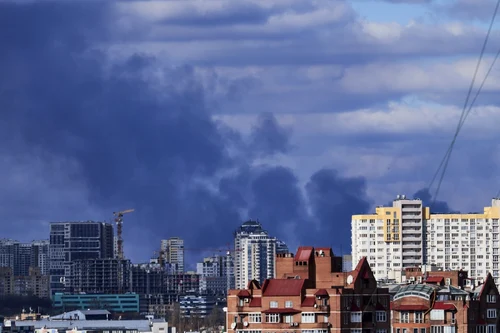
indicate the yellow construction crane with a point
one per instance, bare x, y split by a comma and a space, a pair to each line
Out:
119, 229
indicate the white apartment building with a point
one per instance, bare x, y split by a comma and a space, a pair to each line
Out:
173, 252
407, 235
255, 253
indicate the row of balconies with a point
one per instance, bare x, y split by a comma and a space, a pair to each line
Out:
318, 308
246, 325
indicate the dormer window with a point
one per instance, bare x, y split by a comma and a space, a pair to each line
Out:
491, 298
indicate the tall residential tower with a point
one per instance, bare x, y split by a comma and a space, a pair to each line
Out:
173, 253
255, 253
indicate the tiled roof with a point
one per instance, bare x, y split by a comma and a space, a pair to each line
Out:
410, 307
283, 287
321, 292
304, 253
256, 302
243, 293
434, 279
309, 301
444, 306
280, 310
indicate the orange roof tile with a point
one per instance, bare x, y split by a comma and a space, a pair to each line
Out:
283, 287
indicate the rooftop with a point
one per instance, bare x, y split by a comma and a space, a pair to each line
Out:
282, 287
420, 290
140, 325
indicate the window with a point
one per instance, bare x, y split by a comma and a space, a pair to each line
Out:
308, 318
273, 304
355, 317
288, 304
404, 317
288, 319
422, 330
415, 330
381, 331
437, 315
272, 318
437, 329
492, 313
254, 318
491, 298
381, 316
326, 319
419, 317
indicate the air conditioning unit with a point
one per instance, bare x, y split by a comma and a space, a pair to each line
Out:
247, 300
292, 324
295, 324
245, 323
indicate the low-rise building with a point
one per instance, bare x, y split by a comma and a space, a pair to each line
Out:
435, 307
313, 295
128, 302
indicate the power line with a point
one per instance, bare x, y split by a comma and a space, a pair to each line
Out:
465, 112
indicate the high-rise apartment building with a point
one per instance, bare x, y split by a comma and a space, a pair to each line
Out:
173, 252
21, 256
255, 253
71, 241
407, 235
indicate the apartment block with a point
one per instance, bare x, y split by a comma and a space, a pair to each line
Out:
21, 256
71, 241
255, 252
173, 252
216, 274
433, 307
408, 235
34, 284
311, 294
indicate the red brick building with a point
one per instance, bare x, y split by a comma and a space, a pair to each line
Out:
435, 307
311, 294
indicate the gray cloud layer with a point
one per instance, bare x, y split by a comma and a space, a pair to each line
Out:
83, 136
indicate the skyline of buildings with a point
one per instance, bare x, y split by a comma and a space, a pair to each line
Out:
408, 234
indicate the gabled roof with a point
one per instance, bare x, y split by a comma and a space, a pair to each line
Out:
243, 293
304, 253
283, 287
362, 270
321, 292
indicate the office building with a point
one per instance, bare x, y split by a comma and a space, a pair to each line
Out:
255, 252
408, 235
311, 294
172, 250
71, 241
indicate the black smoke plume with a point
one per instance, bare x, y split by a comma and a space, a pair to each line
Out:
84, 135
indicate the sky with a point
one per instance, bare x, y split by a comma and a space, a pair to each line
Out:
203, 114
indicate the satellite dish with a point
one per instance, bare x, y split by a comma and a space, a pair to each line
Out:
349, 279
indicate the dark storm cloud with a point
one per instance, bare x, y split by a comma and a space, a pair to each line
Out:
138, 135
427, 200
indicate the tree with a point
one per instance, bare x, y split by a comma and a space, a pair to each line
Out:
215, 319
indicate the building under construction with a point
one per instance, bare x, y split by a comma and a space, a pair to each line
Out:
100, 276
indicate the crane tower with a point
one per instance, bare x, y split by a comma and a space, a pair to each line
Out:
119, 230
